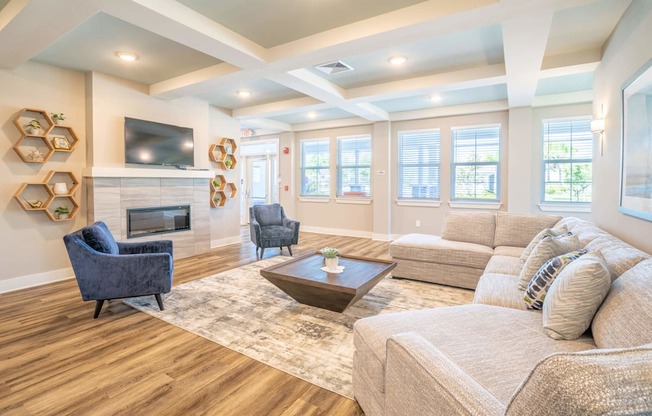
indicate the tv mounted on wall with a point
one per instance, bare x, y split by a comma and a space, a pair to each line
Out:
152, 143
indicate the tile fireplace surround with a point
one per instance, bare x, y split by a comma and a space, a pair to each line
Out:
110, 191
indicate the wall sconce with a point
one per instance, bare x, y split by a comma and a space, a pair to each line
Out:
597, 126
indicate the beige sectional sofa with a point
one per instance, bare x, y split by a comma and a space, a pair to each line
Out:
493, 357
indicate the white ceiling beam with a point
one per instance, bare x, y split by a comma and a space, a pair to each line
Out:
280, 108
456, 110
524, 40
183, 25
576, 97
266, 124
330, 124
317, 87
194, 82
570, 63
20, 17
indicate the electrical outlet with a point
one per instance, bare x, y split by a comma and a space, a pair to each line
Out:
418, 223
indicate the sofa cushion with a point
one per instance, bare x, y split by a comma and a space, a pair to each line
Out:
575, 296
519, 229
499, 290
625, 317
434, 249
508, 251
536, 290
618, 255
470, 227
99, 238
547, 248
556, 231
477, 338
595, 382
503, 265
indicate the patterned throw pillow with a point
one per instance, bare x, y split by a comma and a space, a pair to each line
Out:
536, 290
557, 231
575, 296
547, 248
100, 239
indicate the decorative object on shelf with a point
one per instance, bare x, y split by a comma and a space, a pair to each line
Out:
60, 188
34, 127
60, 143
331, 257
223, 153
221, 190
228, 164
62, 212
38, 146
57, 117
33, 155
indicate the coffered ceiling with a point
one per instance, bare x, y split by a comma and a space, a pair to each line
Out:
471, 55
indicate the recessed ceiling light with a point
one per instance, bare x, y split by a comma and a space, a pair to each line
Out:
244, 93
397, 60
312, 114
126, 56
435, 98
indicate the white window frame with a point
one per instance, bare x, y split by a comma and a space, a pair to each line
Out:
456, 164
580, 206
405, 200
339, 193
303, 168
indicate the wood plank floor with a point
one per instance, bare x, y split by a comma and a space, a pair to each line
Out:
55, 359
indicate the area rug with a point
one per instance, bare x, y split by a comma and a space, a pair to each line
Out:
241, 310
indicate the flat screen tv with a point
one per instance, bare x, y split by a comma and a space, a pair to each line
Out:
152, 143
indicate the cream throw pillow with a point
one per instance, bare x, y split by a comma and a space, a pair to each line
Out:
557, 231
575, 296
547, 248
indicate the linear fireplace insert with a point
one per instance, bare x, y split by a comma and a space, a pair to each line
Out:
157, 220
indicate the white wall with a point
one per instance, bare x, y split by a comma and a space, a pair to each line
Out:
628, 49
31, 247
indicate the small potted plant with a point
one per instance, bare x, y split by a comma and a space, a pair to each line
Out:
34, 126
62, 212
331, 257
216, 184
228, 164
57, 117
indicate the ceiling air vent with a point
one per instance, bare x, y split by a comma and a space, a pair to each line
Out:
336, 67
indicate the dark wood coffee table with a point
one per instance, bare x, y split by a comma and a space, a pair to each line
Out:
303, 279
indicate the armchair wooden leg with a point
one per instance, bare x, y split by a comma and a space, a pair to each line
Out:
290, 250
262, 252
98, 308
159, 300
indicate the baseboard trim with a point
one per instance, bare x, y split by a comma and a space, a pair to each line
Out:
336, 231
381, 237
38, 279
226, 241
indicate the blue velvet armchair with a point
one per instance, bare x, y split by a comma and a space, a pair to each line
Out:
269, 227
106, 269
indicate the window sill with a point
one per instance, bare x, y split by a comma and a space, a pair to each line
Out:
353, 201
565, 207
418, 203
315, 199
475, 205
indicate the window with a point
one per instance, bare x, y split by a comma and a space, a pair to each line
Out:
476, 163
419, 156
354, 166
567, 160
315, 167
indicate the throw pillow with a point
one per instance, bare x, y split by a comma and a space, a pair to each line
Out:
575, 296
536, 290
547, 248
100, 239
557, 231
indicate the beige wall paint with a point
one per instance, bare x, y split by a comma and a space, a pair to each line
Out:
333, 216
31, 247
404, 218
225, 221
628, 49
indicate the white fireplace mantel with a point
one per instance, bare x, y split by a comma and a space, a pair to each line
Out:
100, 172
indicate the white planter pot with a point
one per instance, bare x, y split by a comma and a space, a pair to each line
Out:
60, 188
63, 216
331, 264
34, 131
